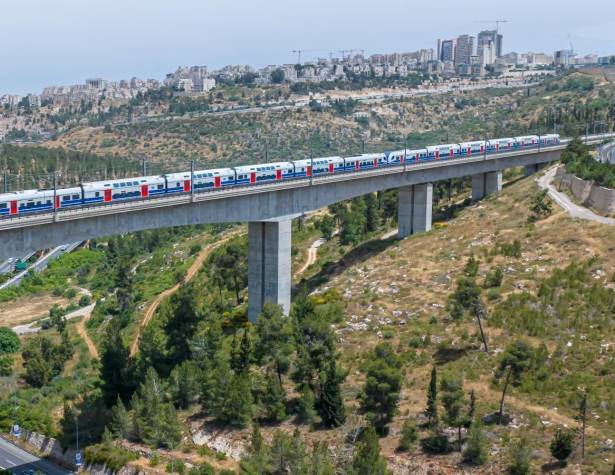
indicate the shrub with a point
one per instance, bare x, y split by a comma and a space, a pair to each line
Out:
195, 249
476, 450
436, 444
561, 445
84, 301
9, 341
6, 365
409, 435
494, 278
113, 457
70, 293
519, 458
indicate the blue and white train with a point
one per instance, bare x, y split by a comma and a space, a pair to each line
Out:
138, 188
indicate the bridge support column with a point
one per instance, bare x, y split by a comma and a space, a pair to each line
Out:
269, 271
485, 184
414, 209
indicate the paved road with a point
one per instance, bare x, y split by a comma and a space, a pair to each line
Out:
32, 327
546, 183
606, 153
41, 263
19, 461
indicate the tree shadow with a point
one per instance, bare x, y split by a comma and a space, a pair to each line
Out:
549, 467
356, 256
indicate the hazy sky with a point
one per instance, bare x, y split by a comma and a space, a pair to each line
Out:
46, 42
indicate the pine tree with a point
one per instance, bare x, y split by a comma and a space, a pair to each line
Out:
183, 324
452, 399
471, 409
330, 404
115, 366
409, 435
431, 411
245, 352
561, 445
519, 458
381, 390
373, 215
275, 342
367, 459
306, 412
184, 384
120, 422
475, 452
274, 399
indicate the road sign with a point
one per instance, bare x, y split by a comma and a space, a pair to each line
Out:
78, 461
16, 430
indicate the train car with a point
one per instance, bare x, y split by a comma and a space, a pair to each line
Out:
177, 182
26, 202
217, 178
250, 174
549, 139
397, 157
123, 189
366, 161
525, 141
499, 145
67, 197
318, 166
467, 149
437, 152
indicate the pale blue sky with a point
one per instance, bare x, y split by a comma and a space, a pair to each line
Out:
45, 42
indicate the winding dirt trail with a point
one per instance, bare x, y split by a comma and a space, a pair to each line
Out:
80, 327
192, 271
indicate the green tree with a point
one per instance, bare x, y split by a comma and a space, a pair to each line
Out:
330, 403
373, 214
516, 360
519, 456
471, 268
561, 445
182, 324
326, 225
115, 367
228, 395
381, 391
277, 76
120, 422
451, 389
353, 223
306, 412
43, 360
9, 341
540, 205
184, 384
367, 459
494, 278
471, 408
228, 267
6, 365
475, 452
431, 411
157, 423
409, 435
274, 339
274, 399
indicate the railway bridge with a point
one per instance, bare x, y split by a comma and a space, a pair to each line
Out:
269, 209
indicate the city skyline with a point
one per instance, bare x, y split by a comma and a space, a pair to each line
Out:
72, 41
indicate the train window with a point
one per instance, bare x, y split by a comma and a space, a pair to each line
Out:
76, 197
38, 203
136, 182
49, 202
97, 194
116, 185
66, 198
3, 205
160, 187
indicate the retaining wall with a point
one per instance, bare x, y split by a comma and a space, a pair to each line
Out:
586, 192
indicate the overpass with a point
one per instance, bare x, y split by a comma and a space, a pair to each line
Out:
269, 209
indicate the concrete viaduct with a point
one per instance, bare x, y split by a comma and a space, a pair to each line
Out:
269, 208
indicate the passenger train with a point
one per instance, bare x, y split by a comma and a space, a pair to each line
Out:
138, 188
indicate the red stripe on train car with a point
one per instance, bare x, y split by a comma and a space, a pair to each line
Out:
144, 191
14, 209
217, 182
186, 186
108, 198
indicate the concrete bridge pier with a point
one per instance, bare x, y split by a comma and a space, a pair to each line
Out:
414, 209
269, 266
484, 184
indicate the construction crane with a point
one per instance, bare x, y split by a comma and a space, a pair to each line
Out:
299, 51
497, 24
347, 52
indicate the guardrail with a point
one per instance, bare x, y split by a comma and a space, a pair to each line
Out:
86, 211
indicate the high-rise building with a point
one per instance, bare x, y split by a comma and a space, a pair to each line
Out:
446, 50
487, 53
464, 50
484, 37
563, 57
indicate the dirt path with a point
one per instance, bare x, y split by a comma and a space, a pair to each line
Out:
192, 271
80, 327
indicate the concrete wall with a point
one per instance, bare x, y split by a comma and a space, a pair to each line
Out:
237, 205
50, 448
586, 192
